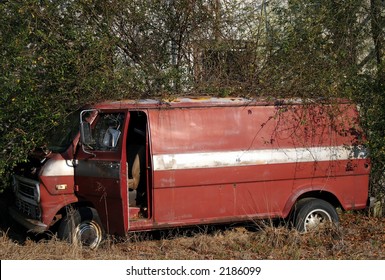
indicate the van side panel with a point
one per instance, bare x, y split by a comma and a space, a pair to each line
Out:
185, 130
210, 129
229, 163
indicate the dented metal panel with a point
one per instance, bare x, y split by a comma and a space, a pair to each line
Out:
224, 163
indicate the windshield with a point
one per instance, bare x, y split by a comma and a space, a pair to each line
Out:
61, 137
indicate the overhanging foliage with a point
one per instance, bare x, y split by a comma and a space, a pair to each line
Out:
57, 55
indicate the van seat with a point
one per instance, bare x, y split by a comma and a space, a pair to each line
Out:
136, 161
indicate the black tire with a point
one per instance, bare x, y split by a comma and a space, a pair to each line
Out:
314, 214
82, 227
290, 220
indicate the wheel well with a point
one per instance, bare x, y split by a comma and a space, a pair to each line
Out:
63, 212
327, 196
324, 195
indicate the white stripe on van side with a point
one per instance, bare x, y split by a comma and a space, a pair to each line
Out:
255, 157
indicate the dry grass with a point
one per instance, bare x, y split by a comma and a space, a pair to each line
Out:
358, 237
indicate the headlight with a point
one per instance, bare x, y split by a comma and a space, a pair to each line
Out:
36, 193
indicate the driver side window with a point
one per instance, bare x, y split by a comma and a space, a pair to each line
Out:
107, 131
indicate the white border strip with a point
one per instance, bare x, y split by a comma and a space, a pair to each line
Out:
60, 167
255, 157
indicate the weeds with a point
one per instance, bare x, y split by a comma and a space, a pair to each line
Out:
357, 237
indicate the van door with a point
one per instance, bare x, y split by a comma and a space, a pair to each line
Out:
100, 169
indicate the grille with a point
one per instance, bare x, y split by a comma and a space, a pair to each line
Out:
28, 209
27, 197
26, 190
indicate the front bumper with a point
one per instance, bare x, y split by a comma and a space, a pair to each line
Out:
30, 224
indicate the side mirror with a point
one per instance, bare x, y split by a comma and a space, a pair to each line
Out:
85, 133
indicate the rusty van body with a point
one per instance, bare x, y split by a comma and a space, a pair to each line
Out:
149, 164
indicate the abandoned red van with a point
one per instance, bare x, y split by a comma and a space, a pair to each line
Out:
150, 164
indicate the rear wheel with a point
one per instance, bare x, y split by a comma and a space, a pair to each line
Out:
82, 227
314, 214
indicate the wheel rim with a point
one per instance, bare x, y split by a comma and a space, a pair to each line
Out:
316, 219
88, 233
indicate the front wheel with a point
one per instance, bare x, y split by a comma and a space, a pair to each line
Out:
82, 227
314, 214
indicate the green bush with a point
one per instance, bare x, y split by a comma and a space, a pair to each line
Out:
56, 56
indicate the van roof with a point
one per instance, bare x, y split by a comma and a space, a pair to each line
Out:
206, 101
